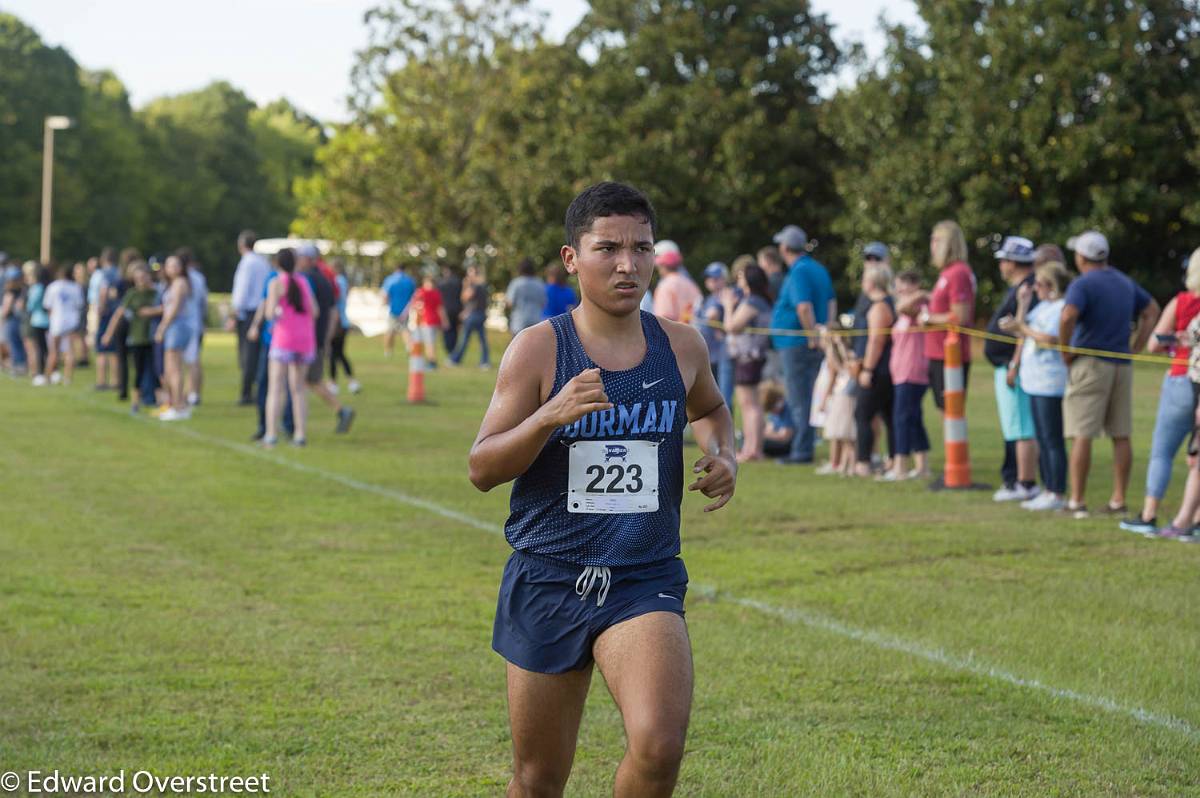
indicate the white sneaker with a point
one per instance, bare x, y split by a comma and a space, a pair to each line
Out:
55, 378
170, 414
332, 387
355, 386
1043, 501
39, 380
193, 399
825, 470
1009, 494
1032, 492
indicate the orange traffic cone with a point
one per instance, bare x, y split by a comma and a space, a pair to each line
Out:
958, 457
416, 372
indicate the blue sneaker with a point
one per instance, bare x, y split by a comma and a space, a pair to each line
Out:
1135, 523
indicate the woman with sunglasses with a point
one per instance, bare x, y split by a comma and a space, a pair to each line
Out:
1043, 376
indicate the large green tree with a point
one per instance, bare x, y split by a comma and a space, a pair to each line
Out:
221, 166
713, 108
36, 81
474, 132
187, 170
1033, 118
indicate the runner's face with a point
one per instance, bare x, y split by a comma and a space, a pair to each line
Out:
614, 262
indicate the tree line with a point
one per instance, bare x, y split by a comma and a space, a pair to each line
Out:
192, 169
1031, 117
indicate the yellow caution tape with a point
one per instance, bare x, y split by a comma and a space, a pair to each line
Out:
1160, 360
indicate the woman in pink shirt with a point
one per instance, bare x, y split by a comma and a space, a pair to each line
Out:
293, 346
952, 301
910, 375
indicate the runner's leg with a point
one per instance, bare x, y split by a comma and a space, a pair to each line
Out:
647, 664
544, 711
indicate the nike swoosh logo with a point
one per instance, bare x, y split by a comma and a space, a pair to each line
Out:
648, 385
665, 595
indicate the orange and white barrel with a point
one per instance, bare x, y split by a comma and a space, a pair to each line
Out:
416, 370
958, 458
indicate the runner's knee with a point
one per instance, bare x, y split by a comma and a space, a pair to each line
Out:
538, 779
657, 749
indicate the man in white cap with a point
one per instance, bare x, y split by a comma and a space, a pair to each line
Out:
805, 304
1019, 470
677, 297
1101, 307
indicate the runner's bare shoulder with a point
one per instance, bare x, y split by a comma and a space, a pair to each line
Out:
530, 359
691, 353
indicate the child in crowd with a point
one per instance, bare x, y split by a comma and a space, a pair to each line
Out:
838, 407
778, 429
910, 376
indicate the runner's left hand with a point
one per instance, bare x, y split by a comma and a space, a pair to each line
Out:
719, 475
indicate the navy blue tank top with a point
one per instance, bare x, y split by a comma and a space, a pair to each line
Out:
649, 404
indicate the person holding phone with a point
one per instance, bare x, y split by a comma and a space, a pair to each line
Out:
1173, 422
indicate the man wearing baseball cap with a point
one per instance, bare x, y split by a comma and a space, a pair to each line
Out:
677, 297
1101, 307
805, 304
1019, 472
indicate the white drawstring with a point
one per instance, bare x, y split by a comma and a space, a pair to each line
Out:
587, 580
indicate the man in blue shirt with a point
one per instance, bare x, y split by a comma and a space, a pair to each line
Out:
1103, 306
397, 289
806, 303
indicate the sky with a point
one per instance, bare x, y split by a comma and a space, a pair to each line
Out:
299, 49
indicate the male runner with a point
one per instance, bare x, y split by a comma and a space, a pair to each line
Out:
587, 417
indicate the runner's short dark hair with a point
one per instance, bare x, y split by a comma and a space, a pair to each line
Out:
607, 199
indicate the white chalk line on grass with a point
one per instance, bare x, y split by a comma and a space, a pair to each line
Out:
812, 620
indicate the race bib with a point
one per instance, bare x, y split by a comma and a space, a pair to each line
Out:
613, 477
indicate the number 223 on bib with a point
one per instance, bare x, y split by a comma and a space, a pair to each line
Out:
613, 477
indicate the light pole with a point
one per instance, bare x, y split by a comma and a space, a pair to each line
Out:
53, 123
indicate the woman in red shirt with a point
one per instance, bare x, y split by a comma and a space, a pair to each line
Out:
952, 301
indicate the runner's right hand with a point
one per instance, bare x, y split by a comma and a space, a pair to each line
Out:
582, 395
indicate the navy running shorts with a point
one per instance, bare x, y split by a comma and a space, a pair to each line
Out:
550, 613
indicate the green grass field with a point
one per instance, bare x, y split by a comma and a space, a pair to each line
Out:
175, 600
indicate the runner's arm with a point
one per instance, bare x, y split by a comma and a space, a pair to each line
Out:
517, 423
711, 421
